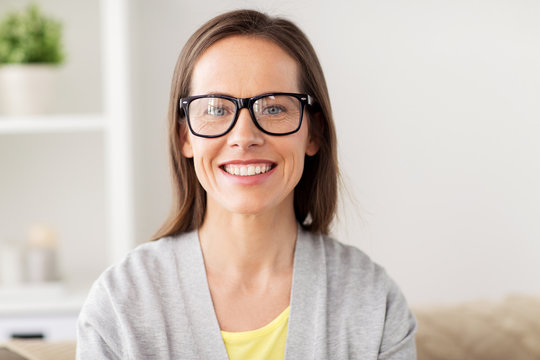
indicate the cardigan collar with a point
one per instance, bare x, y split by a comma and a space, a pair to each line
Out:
308, 297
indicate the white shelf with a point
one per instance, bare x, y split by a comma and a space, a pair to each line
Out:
64, 123
45, 299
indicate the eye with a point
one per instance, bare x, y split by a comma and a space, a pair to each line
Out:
215, 110
273, 110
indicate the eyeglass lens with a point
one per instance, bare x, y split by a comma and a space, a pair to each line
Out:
276, 114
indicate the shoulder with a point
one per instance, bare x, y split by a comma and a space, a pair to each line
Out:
139, 265
150, 259
348, 255
140, 275
348, 265
138, 295
352, 276
361, 298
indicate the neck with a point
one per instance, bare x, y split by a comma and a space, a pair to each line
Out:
248, 244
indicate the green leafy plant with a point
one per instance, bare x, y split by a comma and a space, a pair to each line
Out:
30, 37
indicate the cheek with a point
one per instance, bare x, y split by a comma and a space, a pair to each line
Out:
203, 154
295, 164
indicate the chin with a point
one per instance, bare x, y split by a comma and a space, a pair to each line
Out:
256, 203
245, 209
249, 205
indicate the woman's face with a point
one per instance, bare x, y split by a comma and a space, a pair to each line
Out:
242, 66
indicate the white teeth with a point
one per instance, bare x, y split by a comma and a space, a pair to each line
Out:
247, 170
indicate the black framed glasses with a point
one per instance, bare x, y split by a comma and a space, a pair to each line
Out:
277, 114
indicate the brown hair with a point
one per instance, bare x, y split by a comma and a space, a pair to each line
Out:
315, 196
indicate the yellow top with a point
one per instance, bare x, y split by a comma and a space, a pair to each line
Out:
266, 343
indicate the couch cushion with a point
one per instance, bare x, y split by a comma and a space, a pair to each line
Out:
481, 330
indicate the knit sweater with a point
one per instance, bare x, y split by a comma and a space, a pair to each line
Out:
156, 304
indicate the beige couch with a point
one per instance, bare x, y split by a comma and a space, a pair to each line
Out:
508, 329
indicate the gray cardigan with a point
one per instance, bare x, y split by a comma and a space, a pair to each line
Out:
156, 304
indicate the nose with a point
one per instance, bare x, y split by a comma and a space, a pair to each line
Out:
245, 134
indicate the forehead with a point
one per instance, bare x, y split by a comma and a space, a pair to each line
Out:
244, 66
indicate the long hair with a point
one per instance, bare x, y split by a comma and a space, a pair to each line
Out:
315, 196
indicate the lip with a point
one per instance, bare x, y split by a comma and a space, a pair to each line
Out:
247, 162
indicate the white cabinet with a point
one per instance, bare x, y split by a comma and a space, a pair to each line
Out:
73, 169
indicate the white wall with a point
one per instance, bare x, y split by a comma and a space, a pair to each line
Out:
436, 106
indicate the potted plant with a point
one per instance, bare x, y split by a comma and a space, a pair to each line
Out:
30, 52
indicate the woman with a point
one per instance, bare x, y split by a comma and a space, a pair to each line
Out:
243, 269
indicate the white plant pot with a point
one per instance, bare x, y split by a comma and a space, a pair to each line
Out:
27, 89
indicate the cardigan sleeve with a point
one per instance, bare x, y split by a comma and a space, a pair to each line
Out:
98, 330
90, 344
398, 342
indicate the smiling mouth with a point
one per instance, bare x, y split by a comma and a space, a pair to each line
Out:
247, 170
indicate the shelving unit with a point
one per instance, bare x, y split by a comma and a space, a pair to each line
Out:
81, 146
52, 124
35, 300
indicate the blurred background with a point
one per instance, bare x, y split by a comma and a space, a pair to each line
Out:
436, 106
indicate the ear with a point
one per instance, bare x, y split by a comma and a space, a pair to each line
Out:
312, 146
187, 149
315, 133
